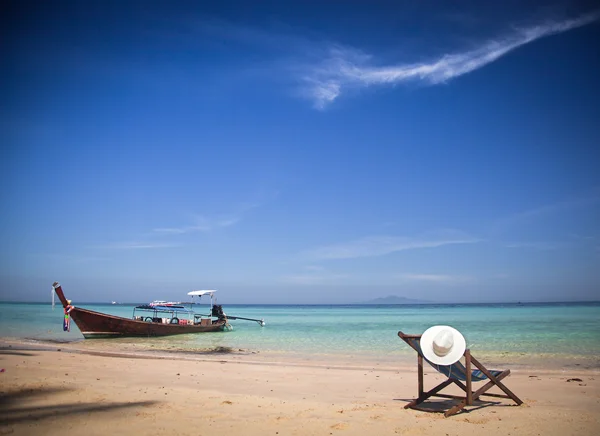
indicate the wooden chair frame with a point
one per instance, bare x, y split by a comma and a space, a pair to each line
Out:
470, 397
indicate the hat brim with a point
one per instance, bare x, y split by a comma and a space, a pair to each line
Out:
457, 351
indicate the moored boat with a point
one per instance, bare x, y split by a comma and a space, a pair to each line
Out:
159, 318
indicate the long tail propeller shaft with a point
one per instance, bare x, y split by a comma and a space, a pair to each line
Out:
260, 321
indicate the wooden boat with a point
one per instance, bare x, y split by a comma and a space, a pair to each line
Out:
176, 319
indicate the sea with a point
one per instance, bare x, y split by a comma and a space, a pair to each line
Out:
561, 333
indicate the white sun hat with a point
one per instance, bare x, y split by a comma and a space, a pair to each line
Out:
443, 345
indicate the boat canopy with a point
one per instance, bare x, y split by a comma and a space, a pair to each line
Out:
200, 293
163, 309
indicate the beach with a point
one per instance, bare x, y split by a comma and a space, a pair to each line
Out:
295, 218
51, 389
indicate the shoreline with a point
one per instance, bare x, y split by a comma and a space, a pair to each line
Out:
522, 362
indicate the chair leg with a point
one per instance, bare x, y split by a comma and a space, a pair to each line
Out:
468, 401
469, 388
471, 396
428, 394
420, 374
496, 381
454, 410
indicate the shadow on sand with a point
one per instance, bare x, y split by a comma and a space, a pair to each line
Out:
15, 408
441, 406
15, 352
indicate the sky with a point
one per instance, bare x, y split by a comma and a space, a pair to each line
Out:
300, 152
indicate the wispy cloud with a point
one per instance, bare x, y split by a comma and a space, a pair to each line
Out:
137, 246
313, 279
344, 67
314, 268
320, 277
73, 258
540, 212
202, 224
381, 245
533, 245
325, 277
437, 278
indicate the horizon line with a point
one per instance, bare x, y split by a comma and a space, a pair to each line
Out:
366, 303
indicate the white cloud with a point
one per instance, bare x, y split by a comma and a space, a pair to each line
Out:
74, 258
314, 279
347, 67
381, 245
314, 268
533, 245
437, 278
137, 246
203, 224
315, 275
538, 213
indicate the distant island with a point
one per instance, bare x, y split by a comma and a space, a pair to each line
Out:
394, 299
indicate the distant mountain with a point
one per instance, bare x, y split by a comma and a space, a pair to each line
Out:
394, 299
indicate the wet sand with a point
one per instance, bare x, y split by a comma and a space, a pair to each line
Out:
49, 392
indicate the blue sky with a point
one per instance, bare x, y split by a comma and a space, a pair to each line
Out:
295, 152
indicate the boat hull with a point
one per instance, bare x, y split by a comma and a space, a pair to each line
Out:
100, 325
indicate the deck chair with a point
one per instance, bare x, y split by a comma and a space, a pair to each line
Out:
458, 373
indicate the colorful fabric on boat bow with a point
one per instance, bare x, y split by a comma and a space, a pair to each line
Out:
67, 320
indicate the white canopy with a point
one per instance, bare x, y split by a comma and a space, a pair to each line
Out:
200, 293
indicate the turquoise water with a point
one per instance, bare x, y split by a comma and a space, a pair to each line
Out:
501, 329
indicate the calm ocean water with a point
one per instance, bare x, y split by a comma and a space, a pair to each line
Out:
552, 329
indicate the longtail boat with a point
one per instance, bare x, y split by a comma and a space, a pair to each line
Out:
159, 318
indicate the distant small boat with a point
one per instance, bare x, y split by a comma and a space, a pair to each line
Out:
159, 318
113, 302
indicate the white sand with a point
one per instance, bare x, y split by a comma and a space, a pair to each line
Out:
58, 393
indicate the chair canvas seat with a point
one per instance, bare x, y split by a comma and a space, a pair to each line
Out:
456, 374
457, 370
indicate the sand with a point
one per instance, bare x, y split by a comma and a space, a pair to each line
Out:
51, 392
